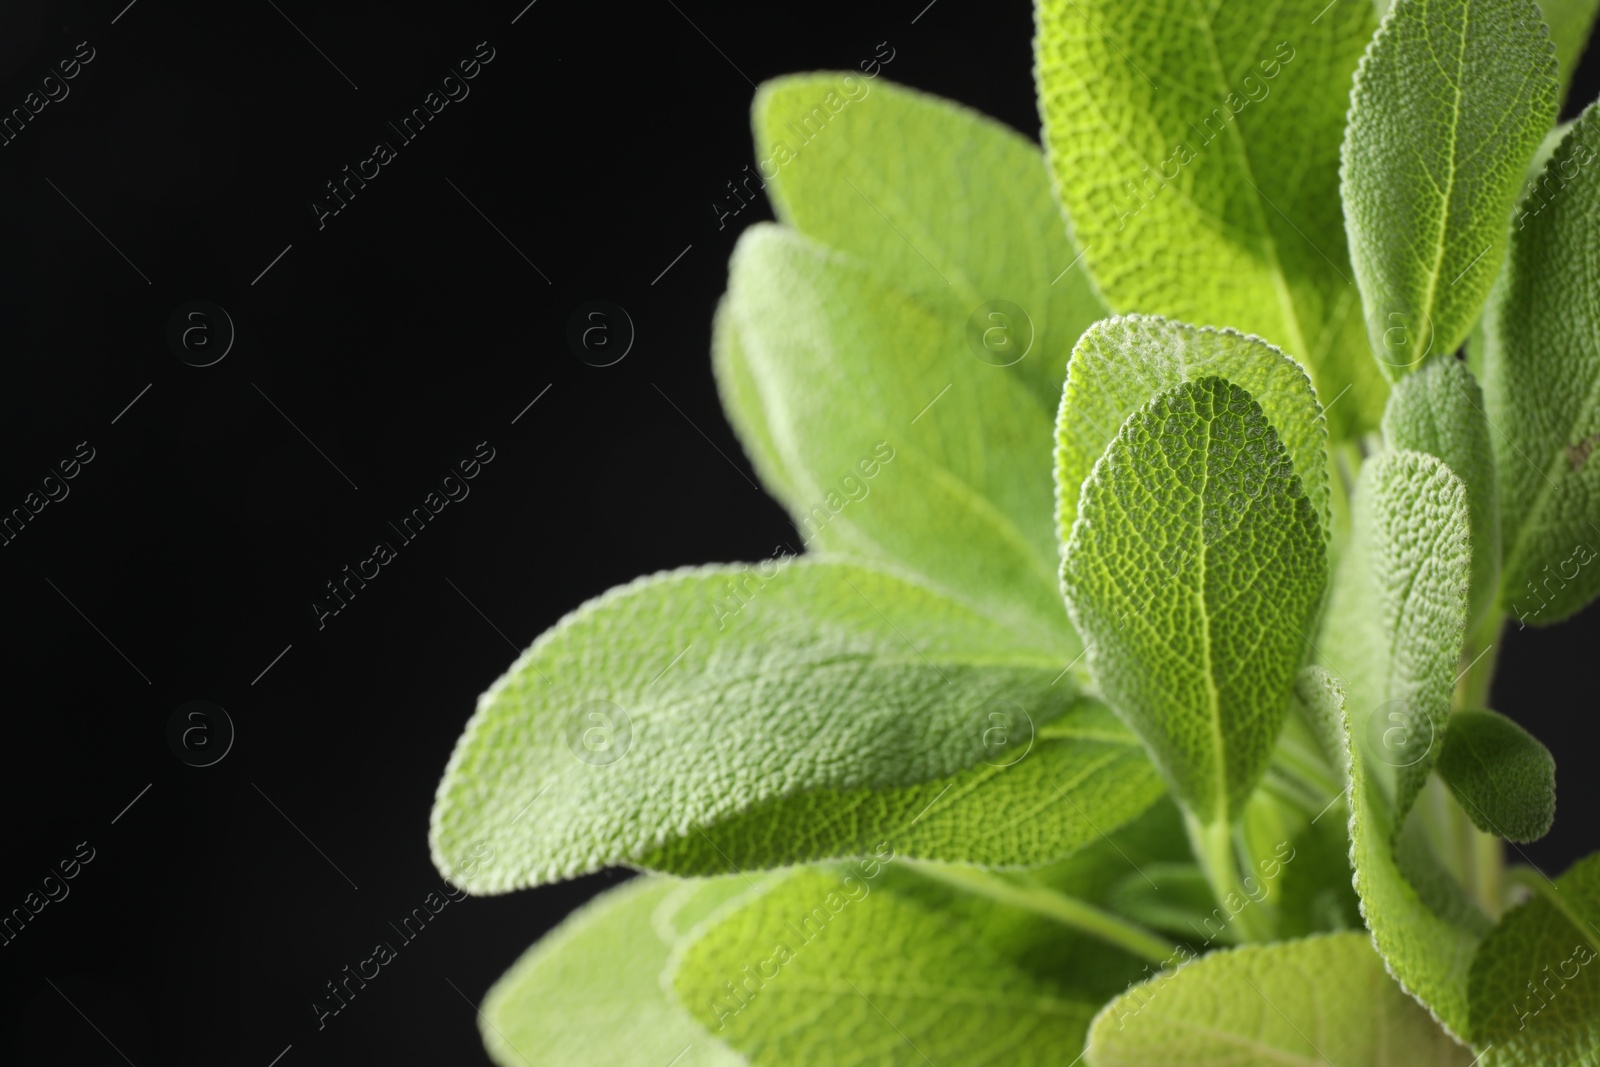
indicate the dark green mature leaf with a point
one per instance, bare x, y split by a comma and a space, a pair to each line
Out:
1450, 102
1439, 410
1535, 983
1193, 570
1034, 800
1541, 384
1196, 149
1504, 778
950, 205
1425, 933
1321, 1000
1397, 615
590, 991
897, 443
848, 968
1119, 364
686, 698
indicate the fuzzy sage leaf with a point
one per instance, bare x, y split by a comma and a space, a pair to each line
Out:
1196, 148
753, 685
1504, 778
1450, 103
1193, 569
1313, 1001
1541, 384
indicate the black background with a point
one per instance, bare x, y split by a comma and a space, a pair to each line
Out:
409, 328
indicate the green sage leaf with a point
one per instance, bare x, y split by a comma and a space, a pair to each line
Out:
1119, 364
1038, 796
1426, 933
854, 968
1193, 570
1439, 410
1535, 983
683, 699
1450, 102
897, 442
1321, 1000
1196, 148
1397, 615
893, 176
1504, 778
1541, 384
590, 991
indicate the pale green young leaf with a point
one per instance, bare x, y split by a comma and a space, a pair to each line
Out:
1504, 778
741, 403
686, 698
1426, 937
857, 375
1397, 614
1193, 571
1535, 983
1450, 102
1439, 410
944, 202
1321, 1000
1196, 148
590, 991
1039, 795
848, 968
1541, 385
1119, 364
1570, 22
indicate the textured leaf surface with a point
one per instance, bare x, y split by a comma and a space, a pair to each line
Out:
1119, 364
850, 370
653, 710
952, 206
1504, 778
1322, 1000
1439, 410
1450, 103
1196, 149
1426, 937
1536, 982
591, 992
1397, 615
1541, 384
1193, 569
1037, 797
841, 968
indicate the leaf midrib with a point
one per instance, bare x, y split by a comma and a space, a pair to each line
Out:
1450, 182
1280, 283
1219, 752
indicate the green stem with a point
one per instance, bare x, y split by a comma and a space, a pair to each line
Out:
1069, 911
1480, 655
1213, 846
1484, 855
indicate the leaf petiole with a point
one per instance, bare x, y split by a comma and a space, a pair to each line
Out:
1041, 900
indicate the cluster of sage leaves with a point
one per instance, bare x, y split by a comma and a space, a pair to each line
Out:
1140, 719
